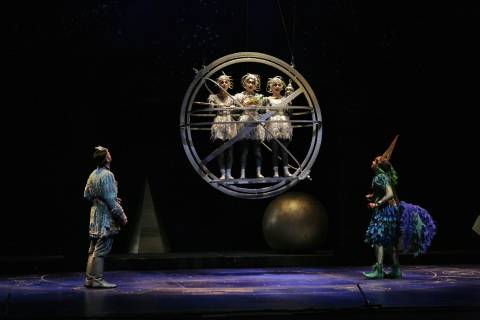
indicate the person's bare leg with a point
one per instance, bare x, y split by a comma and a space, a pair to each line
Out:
377, 272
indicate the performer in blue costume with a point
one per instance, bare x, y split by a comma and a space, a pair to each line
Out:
106, 217
394, 223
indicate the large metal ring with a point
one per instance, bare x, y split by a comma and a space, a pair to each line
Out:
267, 187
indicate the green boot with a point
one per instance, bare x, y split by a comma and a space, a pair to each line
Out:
395, 274
377, 272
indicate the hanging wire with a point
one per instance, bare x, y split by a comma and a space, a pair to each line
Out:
294, 14
246, 24
247, 15
290, 47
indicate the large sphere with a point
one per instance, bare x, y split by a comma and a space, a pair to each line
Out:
295, 221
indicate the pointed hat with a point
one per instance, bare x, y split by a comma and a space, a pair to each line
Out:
388, 153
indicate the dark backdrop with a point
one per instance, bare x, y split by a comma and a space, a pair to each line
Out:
114, 73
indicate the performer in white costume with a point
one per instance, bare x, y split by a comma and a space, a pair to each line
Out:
221, 130
250, 98
279, 125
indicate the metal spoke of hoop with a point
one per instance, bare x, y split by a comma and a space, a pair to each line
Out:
282, 146
253, 122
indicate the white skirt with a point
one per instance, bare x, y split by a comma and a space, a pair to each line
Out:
258, 133
280, 130
223, 131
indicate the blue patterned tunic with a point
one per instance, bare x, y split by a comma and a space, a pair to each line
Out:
106, 211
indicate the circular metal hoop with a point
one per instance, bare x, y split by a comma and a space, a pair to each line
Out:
267, 187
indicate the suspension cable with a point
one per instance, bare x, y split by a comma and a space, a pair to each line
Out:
292, 57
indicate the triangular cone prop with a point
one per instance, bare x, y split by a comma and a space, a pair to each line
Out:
388, 153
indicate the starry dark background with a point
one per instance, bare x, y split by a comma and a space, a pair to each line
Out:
84, 73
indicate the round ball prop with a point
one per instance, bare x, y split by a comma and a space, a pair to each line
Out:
295, 221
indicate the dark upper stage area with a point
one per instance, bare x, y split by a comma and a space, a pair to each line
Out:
80, 74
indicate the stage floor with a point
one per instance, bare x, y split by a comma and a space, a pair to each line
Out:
438, 292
